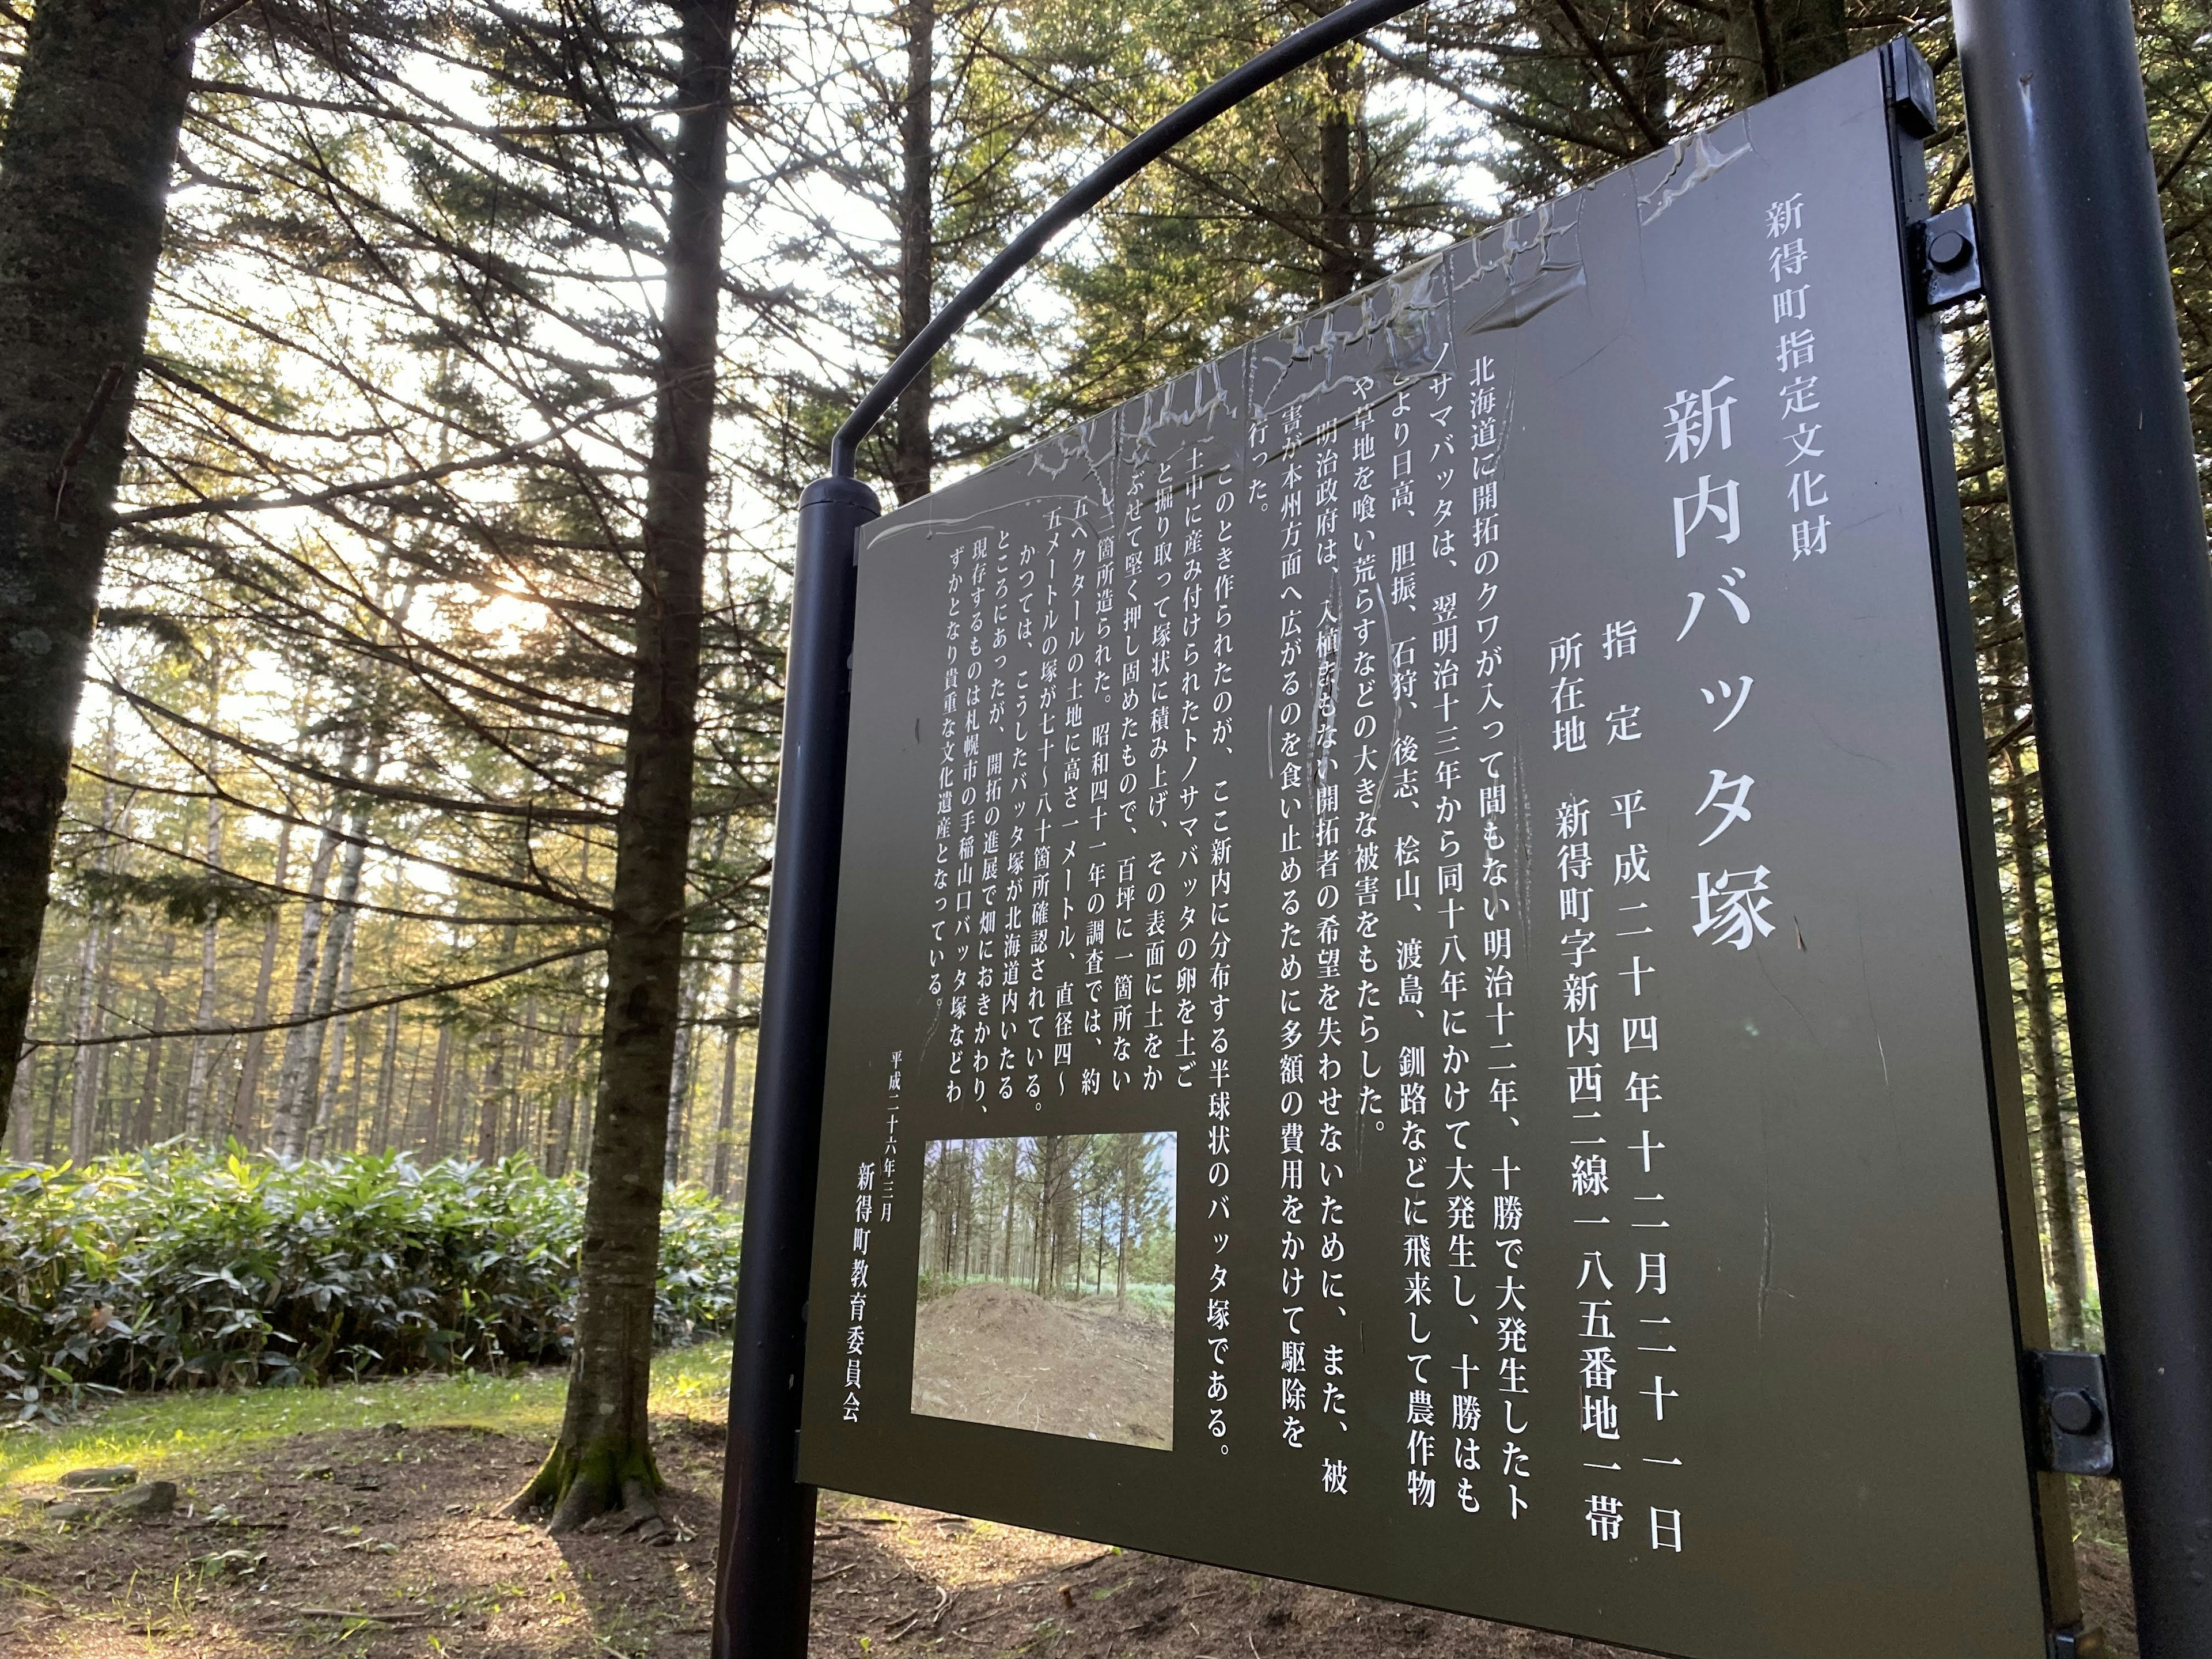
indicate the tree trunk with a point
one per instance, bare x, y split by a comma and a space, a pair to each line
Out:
458, 1098
682, 1076
562, 1128
199, 1078
84, 175
53, 1111
387, 1079
349, 1141
2060, 1225
84, 1075
324, 931
295, 1069
603, 1459
150, 1088
587, 1089
1121, 1250
492, 1107
1341, 265
441, 1073
244, 1104
522, 1116
1775, 44
92, 971
726, 1118
399, 1131
493, 1097
326, 1097
913, 458
19, 1114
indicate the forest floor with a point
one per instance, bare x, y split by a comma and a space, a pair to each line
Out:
364, 1521
995, 1353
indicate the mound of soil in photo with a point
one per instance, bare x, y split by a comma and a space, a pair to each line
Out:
993, 1353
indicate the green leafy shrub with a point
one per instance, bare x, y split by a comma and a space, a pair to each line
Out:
177, 1267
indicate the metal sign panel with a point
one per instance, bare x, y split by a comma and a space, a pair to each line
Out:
1408, 1006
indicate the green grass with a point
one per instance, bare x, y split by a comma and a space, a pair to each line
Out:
186, 1431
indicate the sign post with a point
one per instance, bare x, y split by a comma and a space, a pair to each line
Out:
2108, 516
766, 1560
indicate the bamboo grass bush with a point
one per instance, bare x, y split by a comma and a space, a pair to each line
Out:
178, 1267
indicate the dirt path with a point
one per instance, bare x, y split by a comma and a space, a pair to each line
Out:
991, 1353
403, 1526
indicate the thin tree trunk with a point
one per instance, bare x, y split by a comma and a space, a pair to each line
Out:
150, 1087
1121, 1250
54, 1109
293, 1073
84, 1062
687, 1041
683, 1075
913, 458
492, 1106
493, 1095
441, 1074
564, 1106
604, 1458
19, 1114
386, 1078
93, 966
2061, 1225
1340, 255
323, 932
326, 1097
90, 136
244, 1105
198, 1079
726, 1118
349, 1139
399, 1138
459, 1096
522, 1117
587, 1089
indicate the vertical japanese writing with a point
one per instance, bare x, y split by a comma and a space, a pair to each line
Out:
874, 1187
1220, 688
1480, 1059
968, 707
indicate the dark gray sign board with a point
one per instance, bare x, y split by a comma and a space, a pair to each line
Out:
1469, 787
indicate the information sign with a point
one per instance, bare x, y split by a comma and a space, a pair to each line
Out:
1417, 1001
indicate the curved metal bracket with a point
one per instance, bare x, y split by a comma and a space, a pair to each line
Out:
1291, 52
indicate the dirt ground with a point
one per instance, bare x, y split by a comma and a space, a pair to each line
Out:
992, 1353
388, 1544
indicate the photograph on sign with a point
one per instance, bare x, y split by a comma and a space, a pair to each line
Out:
1046, 1289
1462, 797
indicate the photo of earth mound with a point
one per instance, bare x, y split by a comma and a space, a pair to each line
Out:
1045, 1298
996, 1354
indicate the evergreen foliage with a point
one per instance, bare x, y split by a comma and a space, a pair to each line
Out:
176, 1267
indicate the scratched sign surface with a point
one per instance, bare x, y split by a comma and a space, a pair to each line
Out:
1459, 796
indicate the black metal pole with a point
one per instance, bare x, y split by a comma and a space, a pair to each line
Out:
765, 1565
2107, 513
